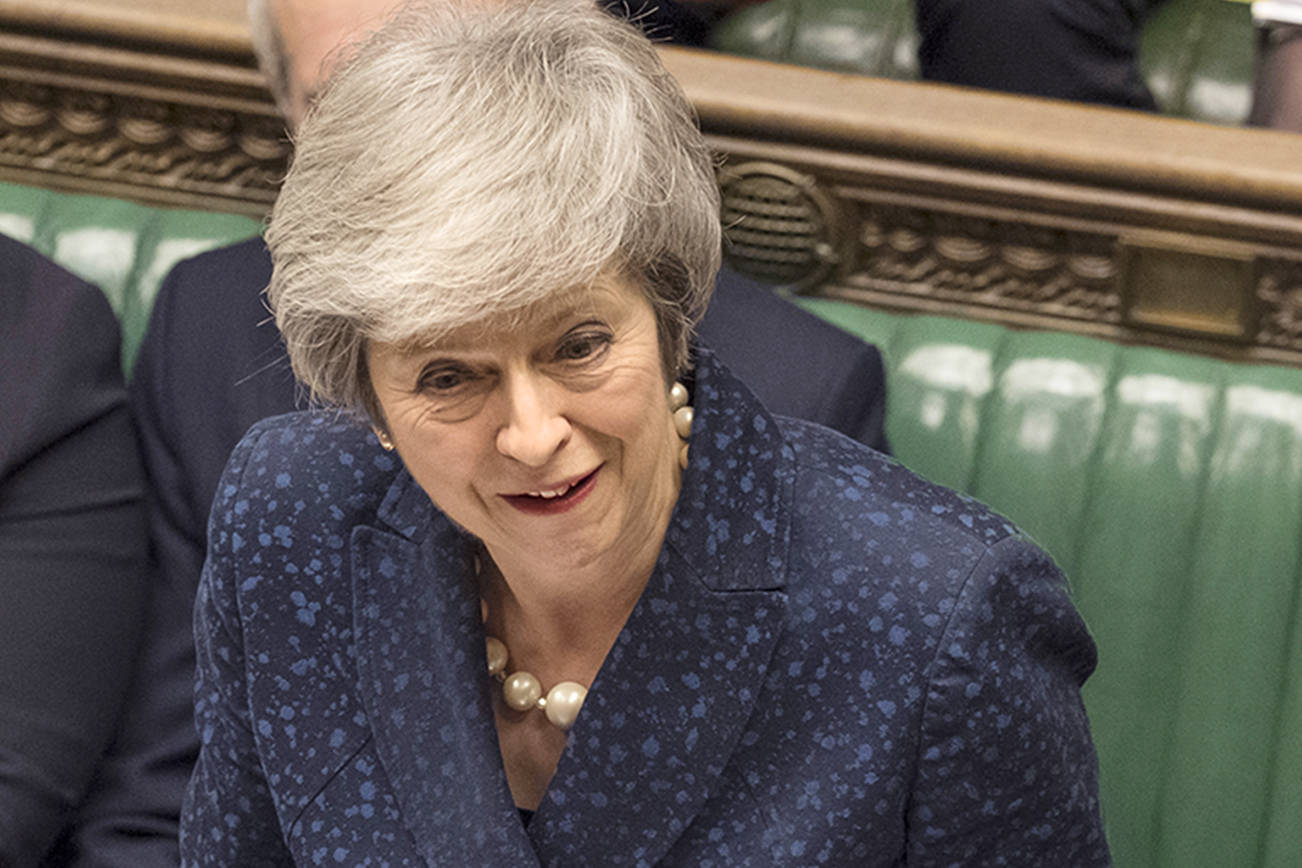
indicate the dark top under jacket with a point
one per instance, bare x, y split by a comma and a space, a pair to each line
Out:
211, 365
834, 662
72, 544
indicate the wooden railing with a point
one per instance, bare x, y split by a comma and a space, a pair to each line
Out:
898, 195
155, 100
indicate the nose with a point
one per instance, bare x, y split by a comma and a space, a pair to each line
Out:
535, 428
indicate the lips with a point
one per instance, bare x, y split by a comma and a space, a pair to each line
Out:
553, 501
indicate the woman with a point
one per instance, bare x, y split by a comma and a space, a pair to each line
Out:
728, 639
73, 561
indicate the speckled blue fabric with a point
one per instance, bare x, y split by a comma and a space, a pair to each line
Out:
834, 663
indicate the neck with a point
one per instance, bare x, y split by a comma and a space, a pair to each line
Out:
562, 619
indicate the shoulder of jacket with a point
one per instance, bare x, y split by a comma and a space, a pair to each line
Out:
844, 482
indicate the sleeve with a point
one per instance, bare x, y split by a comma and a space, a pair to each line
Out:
130, 819
73, 564
228, 816
1007, 773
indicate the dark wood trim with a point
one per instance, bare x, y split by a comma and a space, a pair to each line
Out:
1030, 213
103, 113
898, 195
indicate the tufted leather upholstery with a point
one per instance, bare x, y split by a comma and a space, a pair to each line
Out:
870, 37
1169, 487
1195, 54
1197, 57
123, 248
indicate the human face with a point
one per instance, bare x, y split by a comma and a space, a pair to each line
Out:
548, 436
314, 34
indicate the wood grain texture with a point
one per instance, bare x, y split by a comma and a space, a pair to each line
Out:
210, 26
898, 195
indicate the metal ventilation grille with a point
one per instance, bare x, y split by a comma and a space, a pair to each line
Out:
779, 227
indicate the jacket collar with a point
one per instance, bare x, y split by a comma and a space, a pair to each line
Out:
670, 702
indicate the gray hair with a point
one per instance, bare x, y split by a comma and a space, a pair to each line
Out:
269, 49
468, 162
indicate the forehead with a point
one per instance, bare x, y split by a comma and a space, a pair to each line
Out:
613, 300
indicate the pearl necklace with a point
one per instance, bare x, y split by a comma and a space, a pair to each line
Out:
521, 690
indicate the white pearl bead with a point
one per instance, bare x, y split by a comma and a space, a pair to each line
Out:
521, 691
497, 655
677, 396
683, 421
563, 703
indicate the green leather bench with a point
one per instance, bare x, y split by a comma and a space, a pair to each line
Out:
1169, 489
123, 248
1195, 54
1168, 486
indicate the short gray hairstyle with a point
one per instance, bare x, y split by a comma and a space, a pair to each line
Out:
469, 161
269, 49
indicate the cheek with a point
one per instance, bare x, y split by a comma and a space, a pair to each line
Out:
437, 477
638, 418
445, 468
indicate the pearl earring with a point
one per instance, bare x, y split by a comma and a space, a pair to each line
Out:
682, 418
385, 443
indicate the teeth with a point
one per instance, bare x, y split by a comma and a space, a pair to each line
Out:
550, 494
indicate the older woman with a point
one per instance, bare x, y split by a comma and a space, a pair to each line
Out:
713, 637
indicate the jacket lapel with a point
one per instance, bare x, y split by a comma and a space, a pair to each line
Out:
671, 701
424, 687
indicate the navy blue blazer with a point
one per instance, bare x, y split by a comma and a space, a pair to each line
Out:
834, 662
211, 365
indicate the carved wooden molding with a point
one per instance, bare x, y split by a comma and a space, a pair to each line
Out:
1279, 289
897, 195
129, 121
981, 261
1210, 280
1031, 213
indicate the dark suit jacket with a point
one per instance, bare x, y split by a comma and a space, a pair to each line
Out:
73, 568
834, 662
1085, 50
211, 365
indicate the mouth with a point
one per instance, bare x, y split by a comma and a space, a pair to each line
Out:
553, 501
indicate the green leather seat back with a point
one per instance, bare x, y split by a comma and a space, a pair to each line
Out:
869, 37
1169, 488
123, 248
1197, 55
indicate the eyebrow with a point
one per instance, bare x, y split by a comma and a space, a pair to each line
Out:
474, 340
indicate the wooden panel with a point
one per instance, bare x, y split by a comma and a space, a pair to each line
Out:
154, 100
907, 196
213, 26
892, 194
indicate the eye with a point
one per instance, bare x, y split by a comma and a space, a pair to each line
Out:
583, 345
444, 379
